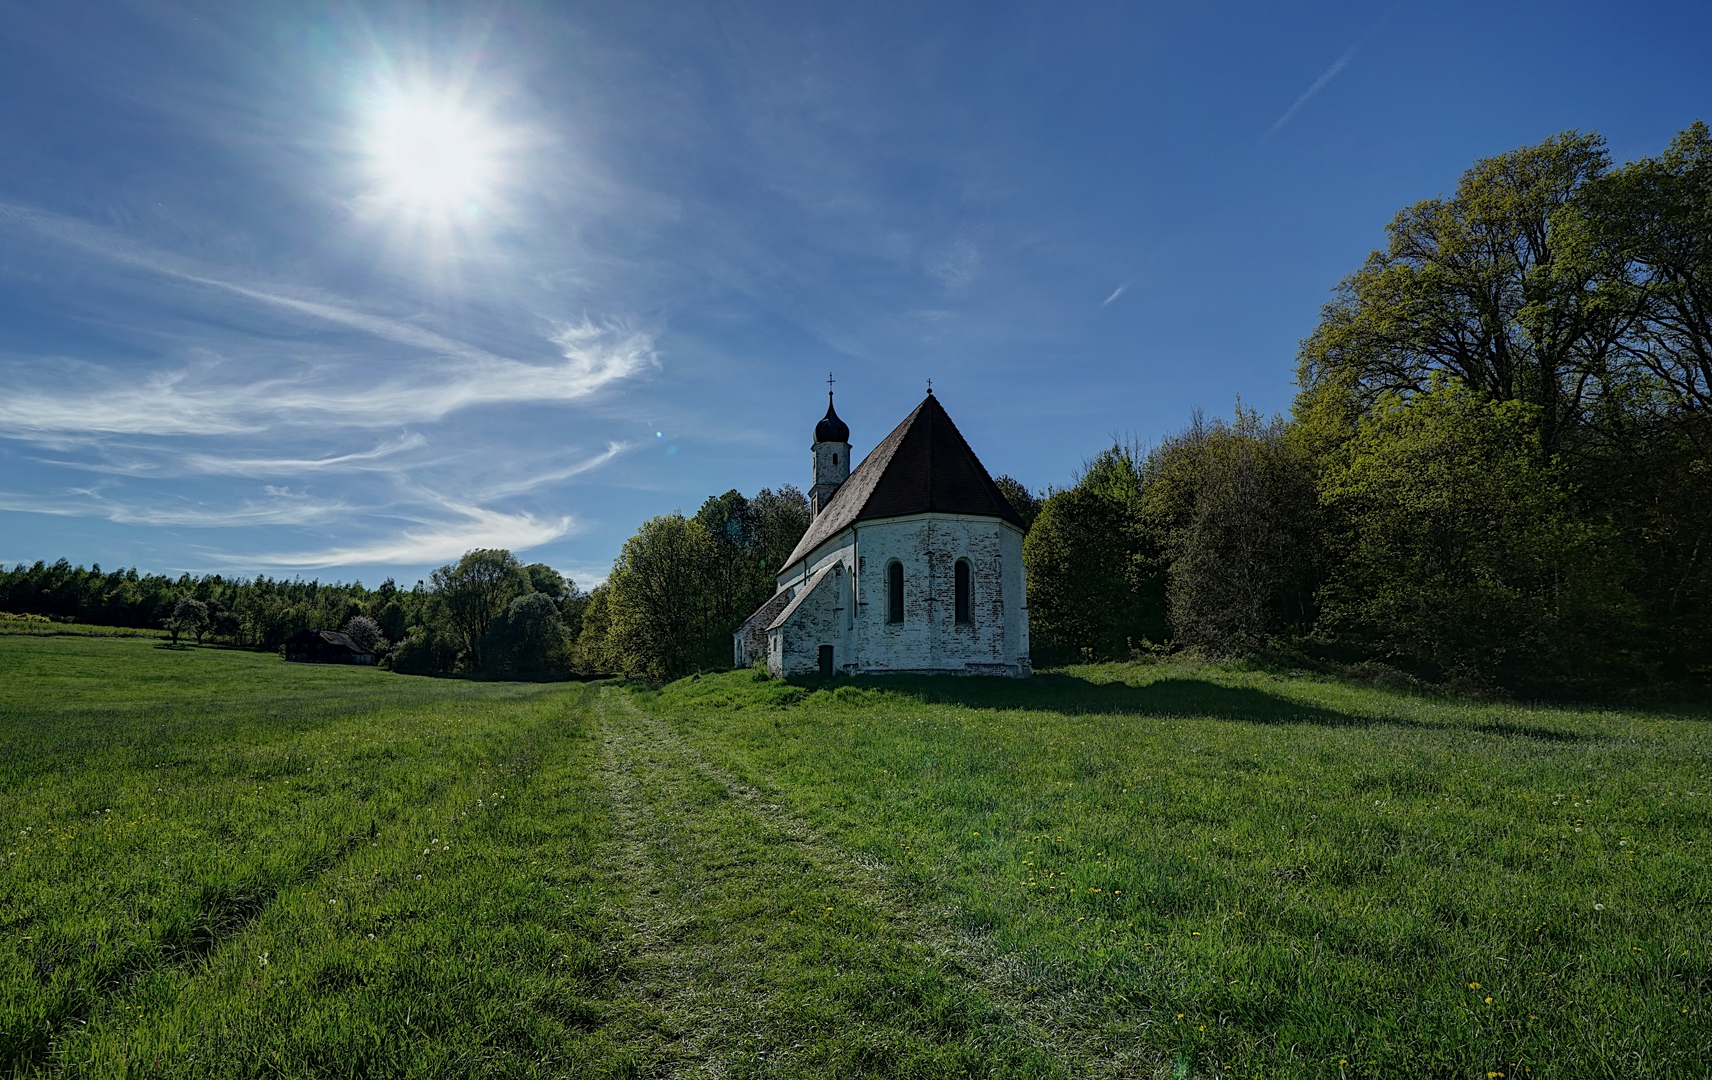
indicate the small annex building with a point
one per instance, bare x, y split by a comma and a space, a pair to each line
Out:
912, 563
325, 647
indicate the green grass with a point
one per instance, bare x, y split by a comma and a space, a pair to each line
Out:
32, 628
219, 864
1203, 869
1114, 871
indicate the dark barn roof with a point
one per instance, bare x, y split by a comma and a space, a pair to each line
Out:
923, 465
327, 639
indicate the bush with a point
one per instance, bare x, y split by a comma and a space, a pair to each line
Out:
428, 650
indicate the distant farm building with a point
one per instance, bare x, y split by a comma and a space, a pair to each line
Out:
913, 563
325, 647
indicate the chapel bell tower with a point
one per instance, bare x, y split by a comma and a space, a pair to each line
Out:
831, 457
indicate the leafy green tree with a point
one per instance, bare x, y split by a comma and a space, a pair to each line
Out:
528, 638
738, 577
547, 581
475, 591
593, 652
751, 539
432, 647
1483, 288
1087, 599
660, 603
223, 622
780, 519
1227, 514
189, 616
1457, 549
1653, 218
1025, 502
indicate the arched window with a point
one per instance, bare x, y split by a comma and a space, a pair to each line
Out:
895, 591
961, 580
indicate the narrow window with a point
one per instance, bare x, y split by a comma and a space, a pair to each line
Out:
962, 585
895, 592
826, 661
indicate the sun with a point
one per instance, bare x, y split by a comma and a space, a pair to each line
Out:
433, 156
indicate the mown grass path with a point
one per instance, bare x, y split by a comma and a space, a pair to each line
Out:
762, 949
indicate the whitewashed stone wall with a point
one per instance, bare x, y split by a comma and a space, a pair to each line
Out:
816, 616
849, 608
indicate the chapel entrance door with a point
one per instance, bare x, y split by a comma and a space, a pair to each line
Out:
826, 661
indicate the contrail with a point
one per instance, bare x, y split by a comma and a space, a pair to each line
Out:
1329, 74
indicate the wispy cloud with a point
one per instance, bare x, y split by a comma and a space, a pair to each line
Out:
1328, 75
212, 396
957, 265
217, 465
200, 401
539, 480
1117, 292
282, 507
427, 543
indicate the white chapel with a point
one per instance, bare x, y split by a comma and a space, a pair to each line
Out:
912, 564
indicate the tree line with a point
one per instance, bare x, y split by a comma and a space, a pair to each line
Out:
487, 613
256, 613
1498, 465
677, 591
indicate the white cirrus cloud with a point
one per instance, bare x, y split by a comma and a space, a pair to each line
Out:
216, 395
542, 479
197, 401
427, 542
282, 507
218, 465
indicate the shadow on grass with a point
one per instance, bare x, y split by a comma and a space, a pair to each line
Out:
1176, 697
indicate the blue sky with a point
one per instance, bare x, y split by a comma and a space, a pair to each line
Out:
342, 291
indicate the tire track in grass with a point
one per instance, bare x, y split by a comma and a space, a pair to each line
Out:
763, 949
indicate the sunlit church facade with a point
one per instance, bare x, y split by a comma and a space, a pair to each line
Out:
912, 564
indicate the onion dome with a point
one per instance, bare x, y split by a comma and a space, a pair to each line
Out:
830, 428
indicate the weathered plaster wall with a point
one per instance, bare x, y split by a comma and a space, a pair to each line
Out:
749, 643
816, 616
929, 638
831, 469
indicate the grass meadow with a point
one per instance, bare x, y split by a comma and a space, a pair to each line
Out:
217, 864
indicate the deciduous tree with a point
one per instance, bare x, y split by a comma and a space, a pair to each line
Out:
475, 591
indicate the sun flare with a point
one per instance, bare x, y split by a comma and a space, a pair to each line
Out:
435, 157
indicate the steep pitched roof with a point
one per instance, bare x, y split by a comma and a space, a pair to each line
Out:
802, 595
923, 465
